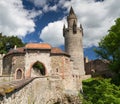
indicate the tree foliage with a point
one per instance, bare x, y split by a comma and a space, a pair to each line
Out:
109, 47
100, 91
39, 67
8, 42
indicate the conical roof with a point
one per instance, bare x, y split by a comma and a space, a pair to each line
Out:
71, 14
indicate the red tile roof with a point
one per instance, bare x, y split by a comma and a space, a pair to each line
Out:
54, 51
38, 46
58, 51
17, 50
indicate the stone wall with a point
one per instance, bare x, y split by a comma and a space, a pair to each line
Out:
41, 91
6, 78
1, 63
7, 65
98, 68
60, 65
32, 57
63, 66
18, 62
13, 62
73, 46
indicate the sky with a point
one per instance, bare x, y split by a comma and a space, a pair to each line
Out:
42, 20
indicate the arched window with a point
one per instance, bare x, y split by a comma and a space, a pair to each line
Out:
57, 70
19, 74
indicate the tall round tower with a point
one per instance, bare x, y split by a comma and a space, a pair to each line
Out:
73, 43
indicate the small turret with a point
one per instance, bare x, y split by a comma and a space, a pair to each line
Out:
74, 27
64, 30
81, 28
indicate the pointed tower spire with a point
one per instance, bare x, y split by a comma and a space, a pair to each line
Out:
71, 14
71, 18
71, 11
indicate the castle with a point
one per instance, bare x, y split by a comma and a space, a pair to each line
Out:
43, 60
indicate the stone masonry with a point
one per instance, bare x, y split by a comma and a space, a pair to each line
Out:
73, 43
39, 91
1, 63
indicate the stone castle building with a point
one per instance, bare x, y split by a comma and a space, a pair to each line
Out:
42, 60
73, 43
97, 68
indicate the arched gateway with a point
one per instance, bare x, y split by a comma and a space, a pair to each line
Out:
38, 69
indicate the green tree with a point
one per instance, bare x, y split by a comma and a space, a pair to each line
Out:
109, 47
100, 91
8, 42
39, 67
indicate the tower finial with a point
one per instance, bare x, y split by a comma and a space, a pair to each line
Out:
71, 11
71, 14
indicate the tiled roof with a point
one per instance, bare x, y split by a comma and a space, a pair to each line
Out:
58, 51
38, 46
17, 50
54, 51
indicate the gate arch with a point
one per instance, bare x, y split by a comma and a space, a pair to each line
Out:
38, 69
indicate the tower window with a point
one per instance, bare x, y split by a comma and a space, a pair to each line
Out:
57, 70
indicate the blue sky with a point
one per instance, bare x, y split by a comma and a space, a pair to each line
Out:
42, 20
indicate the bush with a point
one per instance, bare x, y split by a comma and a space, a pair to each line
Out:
100, 91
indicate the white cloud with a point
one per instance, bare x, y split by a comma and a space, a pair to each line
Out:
34, 13
39, 3
53, 8
47, 8
52, 33
14, 19
96, 18
44, 4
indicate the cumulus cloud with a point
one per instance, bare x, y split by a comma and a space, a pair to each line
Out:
34, 13
45, 5
96, 18
14, 19
39, 3
52, 33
